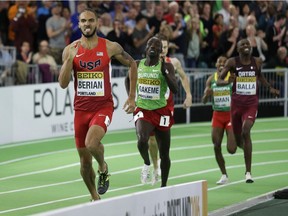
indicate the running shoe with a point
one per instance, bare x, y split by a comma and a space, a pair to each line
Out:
248, 177
155, 177
103, 181
223, 180
145, 174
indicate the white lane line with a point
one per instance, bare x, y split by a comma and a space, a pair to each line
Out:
136, 154
134, 142
10, 145
139, 185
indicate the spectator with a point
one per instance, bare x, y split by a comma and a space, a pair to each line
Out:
275, 34
117, 12
279, 62
206, 50
258, 45
6, 62
179, 38
66, 14
106, 24
47, 64
139, 37
156, 20
217, 29
193, 51
225, 11
43, 14
25, 54
24, 58
149, 10
229, 45
119, 36
173, 9
56, 26
130, 22
24, 16
4, 5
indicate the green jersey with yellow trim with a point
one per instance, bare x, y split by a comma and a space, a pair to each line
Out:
151, 87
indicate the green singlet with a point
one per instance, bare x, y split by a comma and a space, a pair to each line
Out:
221, 98
151, 87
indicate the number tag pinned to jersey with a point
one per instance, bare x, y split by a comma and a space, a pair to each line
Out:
138, 115
164, 121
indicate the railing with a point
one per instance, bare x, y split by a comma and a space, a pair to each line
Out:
197, 77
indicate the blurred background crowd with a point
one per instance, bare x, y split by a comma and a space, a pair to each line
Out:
198, 31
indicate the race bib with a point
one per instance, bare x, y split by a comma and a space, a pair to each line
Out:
246, 85
90, 84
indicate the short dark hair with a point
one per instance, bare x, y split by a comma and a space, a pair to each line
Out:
280, 16
89, 10
162, 37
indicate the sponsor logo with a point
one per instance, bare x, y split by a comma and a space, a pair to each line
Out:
79, 55
239, 68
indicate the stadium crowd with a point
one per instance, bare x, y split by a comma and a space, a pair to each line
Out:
199, 31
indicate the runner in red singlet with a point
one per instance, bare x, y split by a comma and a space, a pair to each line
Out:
89, 59
244, 105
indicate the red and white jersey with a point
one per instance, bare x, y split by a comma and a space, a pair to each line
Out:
92, 77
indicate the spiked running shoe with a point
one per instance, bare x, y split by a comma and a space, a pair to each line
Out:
248, 177
103, 181
155, 177
223, 180
145, 174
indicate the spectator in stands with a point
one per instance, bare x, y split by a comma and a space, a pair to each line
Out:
206, 50
47, 64
130, 22
267, 17
156, 20
173, 9
117, 12
194, 41
75, 31
56, 26
43, 14
279, 62
105, 23
225, 11
6, 62
21, 15
149, 10
66, 14
179, 37
119, 36
228, 46
257, 43
217, 29
24, 58
275, 34
140, 36
4, 6
25, 54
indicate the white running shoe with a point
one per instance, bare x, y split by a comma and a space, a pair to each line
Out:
145, 174
155, 177
248, 177
223, 180
159, 168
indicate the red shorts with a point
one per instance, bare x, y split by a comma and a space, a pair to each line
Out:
161, 118
84, 120
241, 113
221, 119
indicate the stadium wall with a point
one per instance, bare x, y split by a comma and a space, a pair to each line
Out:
31, 112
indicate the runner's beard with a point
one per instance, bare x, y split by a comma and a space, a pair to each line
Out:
89, 35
